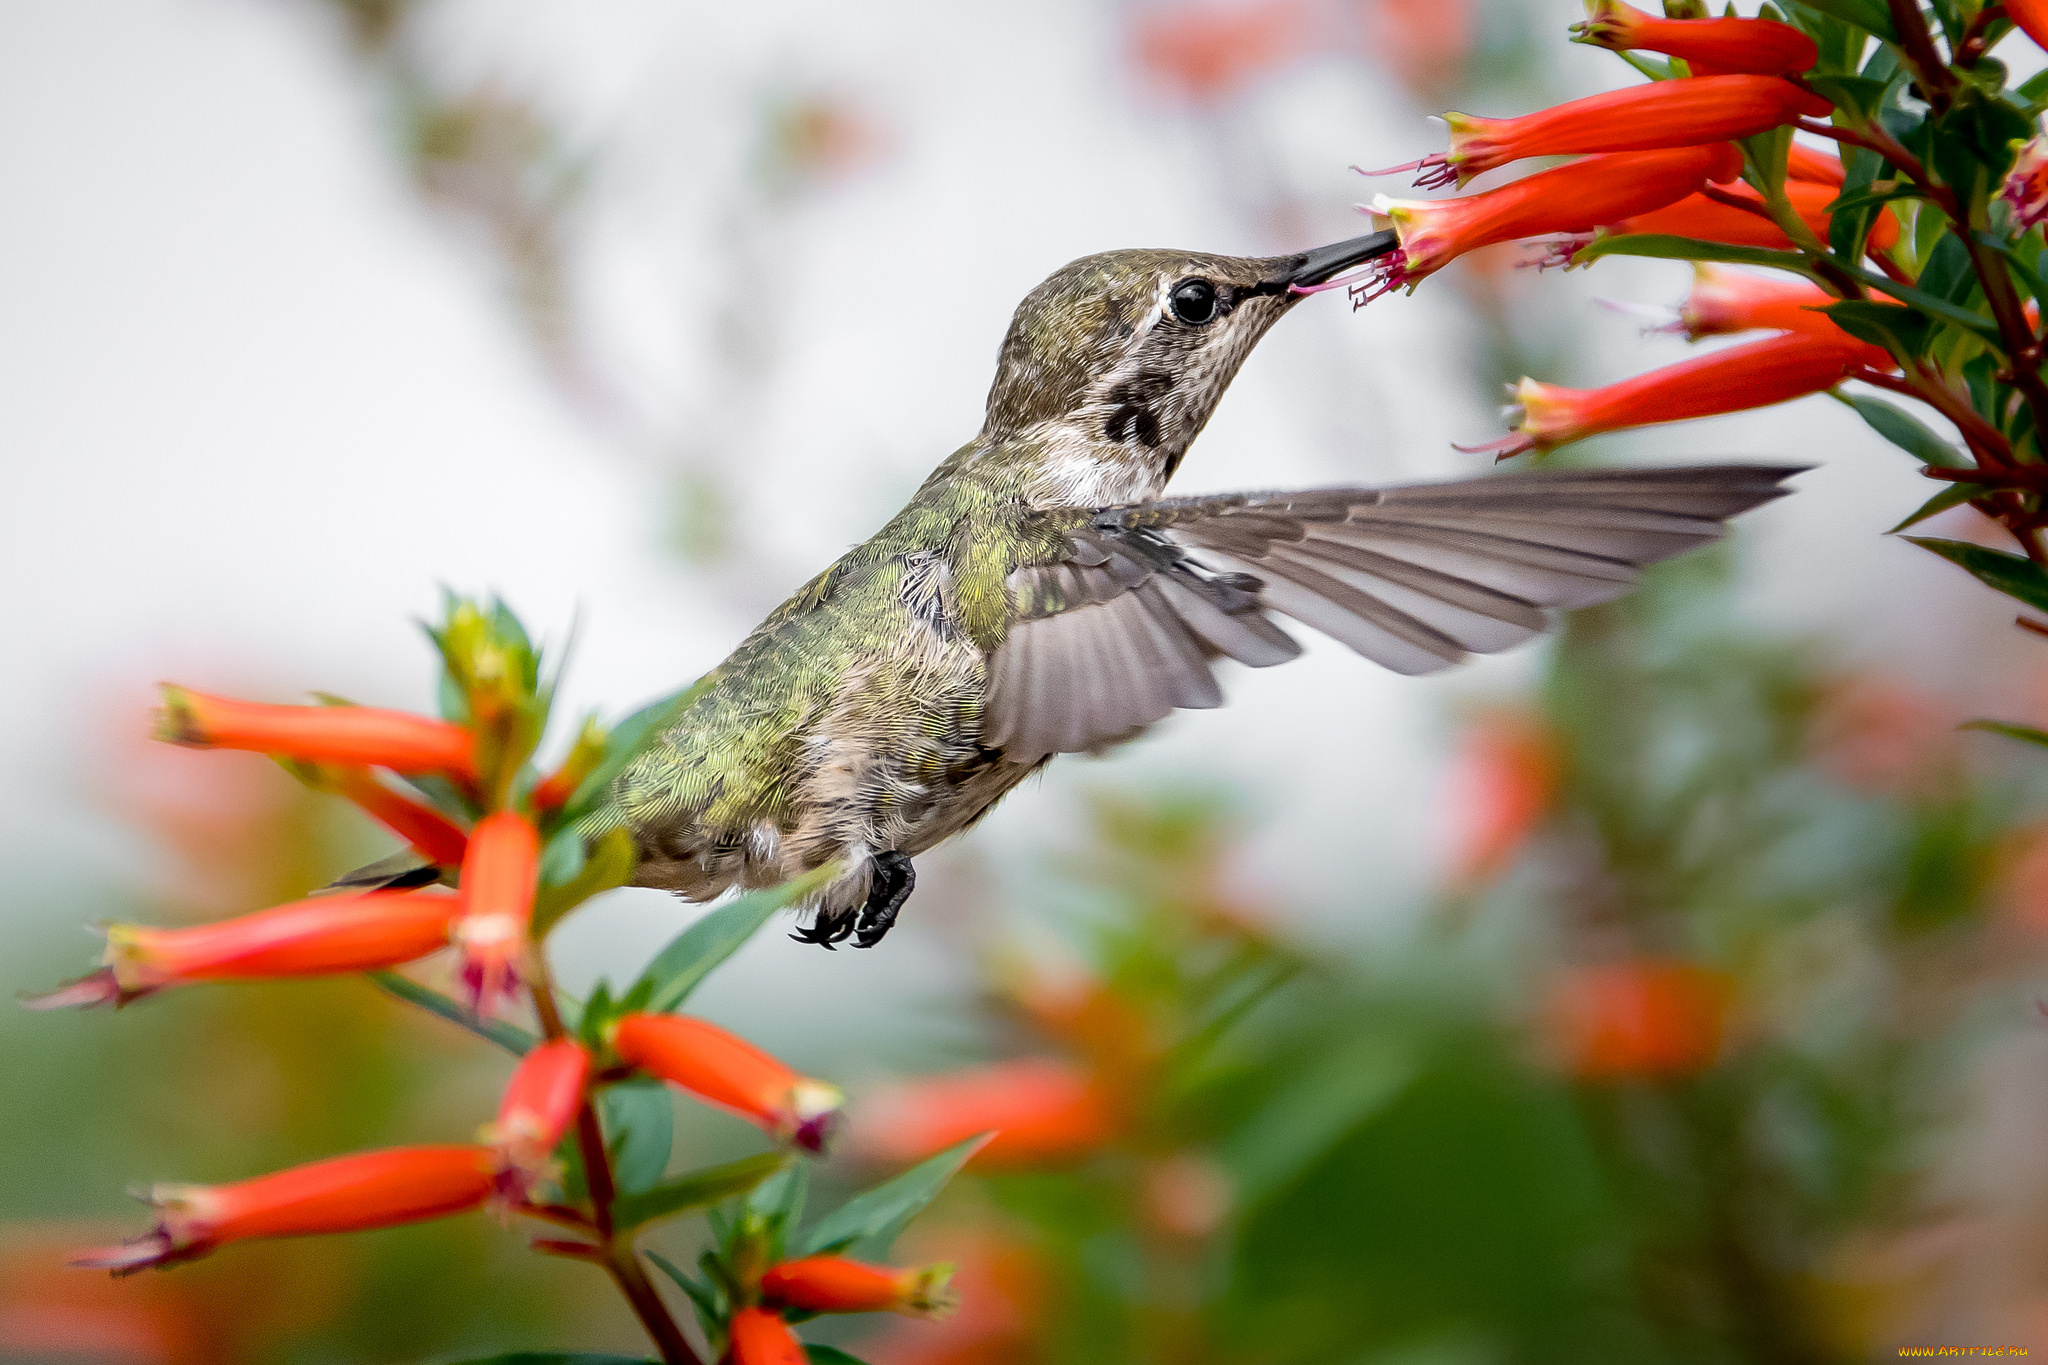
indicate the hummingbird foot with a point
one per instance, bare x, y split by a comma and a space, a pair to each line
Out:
828, 930
890, 886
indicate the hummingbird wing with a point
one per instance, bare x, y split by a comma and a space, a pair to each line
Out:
1121, 628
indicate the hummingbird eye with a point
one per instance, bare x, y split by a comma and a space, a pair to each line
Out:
1194, 301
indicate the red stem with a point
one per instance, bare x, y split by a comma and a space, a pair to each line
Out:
615, 1253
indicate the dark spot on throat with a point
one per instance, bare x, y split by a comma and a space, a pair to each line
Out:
1132, 418
1137, 407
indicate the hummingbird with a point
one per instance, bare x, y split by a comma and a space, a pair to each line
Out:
1038, 596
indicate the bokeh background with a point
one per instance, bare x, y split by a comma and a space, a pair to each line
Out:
1664, 993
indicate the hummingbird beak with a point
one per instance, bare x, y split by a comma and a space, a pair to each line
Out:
1325, 263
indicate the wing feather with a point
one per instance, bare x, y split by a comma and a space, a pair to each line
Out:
1122, 628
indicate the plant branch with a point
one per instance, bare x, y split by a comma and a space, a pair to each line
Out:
1937, 83
616, 1253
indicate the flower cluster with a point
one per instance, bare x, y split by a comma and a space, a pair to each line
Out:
494, 858
1877, 164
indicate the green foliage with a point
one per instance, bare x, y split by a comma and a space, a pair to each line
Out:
869, 1224
693, 954
511, 1037
696, 1190
2014, 575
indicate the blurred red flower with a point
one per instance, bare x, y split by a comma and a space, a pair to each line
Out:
1643, 1018
1503, 779
1044, 1112
1206, 53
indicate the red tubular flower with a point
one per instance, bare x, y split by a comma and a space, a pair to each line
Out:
834, 1284
538, 1108
351, 736
1762, 46
1578, 197
732, 1073
500, 873
1649, 1017
1640, 118
1755, 375
433, 835
1724, 301
317, 937
1713, 221
1808, 163
757, 1336
1043, 1111
2026, 185
341, 1194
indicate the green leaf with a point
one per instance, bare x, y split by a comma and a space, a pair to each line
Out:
2010, 730
830, 1355
2014, 575
695, 1189
1860, 96
875, 1218
511, 1037
625, 743
1663, 247
2017, 256
1905, 431
691, 955
1864, 14
710, 1310
1955, 495
605, 866
778, 1202
563, 857
558, 1358
1932, 304
640, 1129
1901, 330
2034, 88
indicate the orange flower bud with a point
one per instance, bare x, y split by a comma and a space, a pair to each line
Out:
1755, 375
500, 873
538, 1108
2026, 185
1762, 46
317, 937
730, 1072
834, 1284
1043, 1111
341, 1194
1710, 220
757, 1336
1640, 118
553, 791
1577, 197
1647, 1017
433, 835
346, 735
1724, 301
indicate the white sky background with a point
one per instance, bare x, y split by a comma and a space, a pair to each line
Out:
256, 404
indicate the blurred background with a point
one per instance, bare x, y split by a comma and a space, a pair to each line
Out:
1667, 992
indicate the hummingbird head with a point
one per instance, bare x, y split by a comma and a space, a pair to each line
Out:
1116, 361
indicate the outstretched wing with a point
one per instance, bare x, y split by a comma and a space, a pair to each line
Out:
1122, 627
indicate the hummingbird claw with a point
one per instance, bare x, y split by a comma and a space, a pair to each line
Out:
826, 931
893, 879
